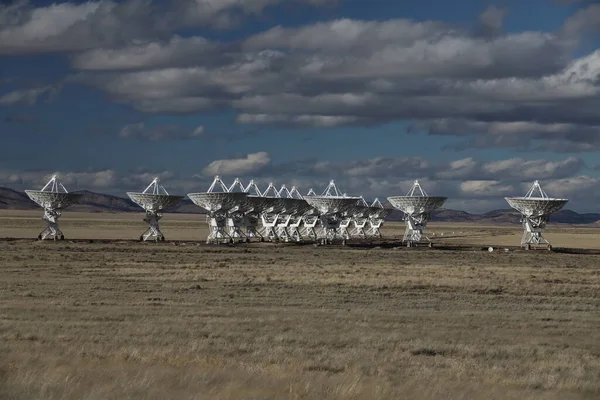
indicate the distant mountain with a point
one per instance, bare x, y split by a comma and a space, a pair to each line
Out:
13, 200
98, 202
502, 216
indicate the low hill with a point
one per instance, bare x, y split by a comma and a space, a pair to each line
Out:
13, 200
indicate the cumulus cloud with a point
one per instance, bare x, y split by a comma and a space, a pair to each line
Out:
155, 133
488, 88
491, 21
176, 51
75, 26
583, 21
28, 96
251, 163
315, 121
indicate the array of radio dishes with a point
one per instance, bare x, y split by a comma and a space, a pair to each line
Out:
53, 198
244, 213
535, 208
154, 200
417, 208
284, 215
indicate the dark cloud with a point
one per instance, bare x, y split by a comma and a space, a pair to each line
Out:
491, 21
76, 26
479, 84
353, 72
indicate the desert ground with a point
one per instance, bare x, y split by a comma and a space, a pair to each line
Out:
100, 319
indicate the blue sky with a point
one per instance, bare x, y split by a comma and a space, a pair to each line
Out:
475, 98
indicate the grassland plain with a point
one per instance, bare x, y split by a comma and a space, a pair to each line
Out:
264, 321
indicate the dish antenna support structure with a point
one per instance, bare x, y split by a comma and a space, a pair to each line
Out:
154, 200
53, 198
417, 207
247, 216
377, 214
535, 208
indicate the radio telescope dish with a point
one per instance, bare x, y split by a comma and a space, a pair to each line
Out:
417, 207
535, 211
154, 199
53, 198
220, 204
332, 206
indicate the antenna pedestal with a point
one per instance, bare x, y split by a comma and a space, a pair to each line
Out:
331, 229
294, 229
153, 232
309, 224
415, 226
269, 223
375, 228
218, 230
532, 232
282, 228
251, 225
359, 228
235, 223
51, 231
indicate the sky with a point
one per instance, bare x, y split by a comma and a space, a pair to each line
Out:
474, 98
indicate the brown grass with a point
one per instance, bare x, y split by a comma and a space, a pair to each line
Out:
264, 321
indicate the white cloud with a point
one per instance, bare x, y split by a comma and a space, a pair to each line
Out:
485, 188
145, 55
251, 163
518, 168
28, 96
74, 26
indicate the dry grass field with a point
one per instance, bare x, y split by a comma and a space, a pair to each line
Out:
117, 320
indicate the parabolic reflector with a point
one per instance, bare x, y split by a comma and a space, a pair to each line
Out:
416, 204
328, 205
54, 200
218, 201
536, 207
154, 202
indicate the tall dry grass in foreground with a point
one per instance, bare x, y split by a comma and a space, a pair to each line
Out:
148, 321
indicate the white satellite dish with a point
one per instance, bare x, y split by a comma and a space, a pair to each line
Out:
54, 198
417, 207
220, 206
332, 207
535, 211
154, 199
